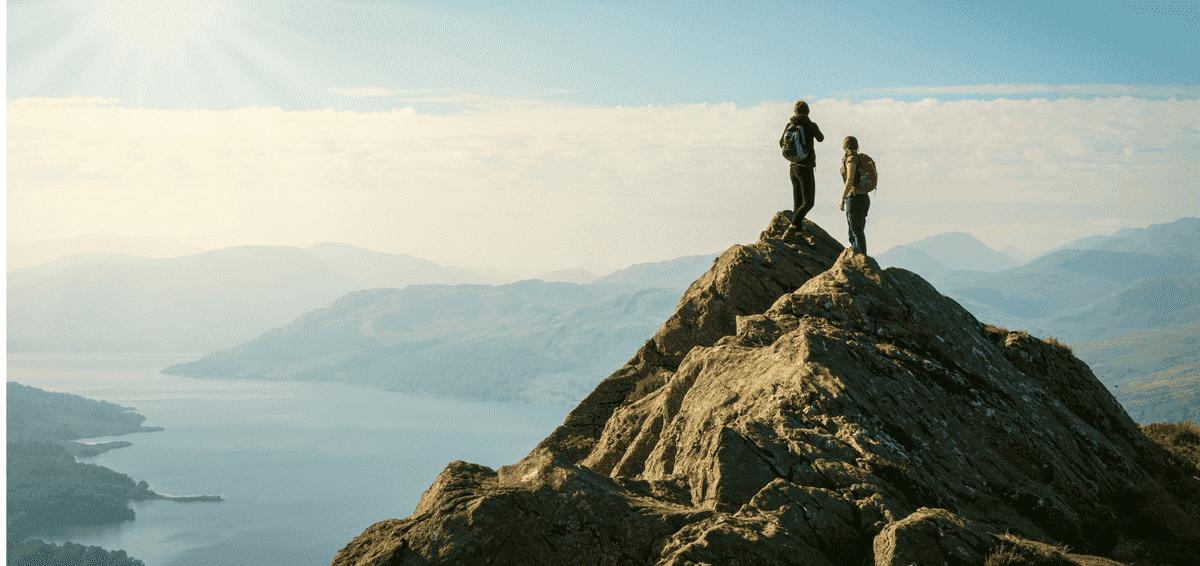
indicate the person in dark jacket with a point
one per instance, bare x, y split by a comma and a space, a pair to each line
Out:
855, 204
803, 182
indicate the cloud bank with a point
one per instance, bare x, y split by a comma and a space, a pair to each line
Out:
535, 185
1140, 91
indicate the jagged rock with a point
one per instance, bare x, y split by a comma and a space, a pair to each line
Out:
744, 280
929, 536
803, 407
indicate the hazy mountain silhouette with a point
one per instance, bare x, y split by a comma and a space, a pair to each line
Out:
1017, 254
27, 255
371, 269
195, 303
1169, 239
804, 406
1156, 302
198, 302
914, 260
29, 274
1059, 284
526, 341
675, 273
957, 251
577, 276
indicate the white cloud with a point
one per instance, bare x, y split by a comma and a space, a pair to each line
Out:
545, 185
44, 102
1140, 91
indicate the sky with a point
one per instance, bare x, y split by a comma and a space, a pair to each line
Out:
532, 136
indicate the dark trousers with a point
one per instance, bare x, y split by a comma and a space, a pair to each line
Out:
804, 191
856, 216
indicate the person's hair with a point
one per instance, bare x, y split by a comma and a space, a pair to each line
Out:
851, 142
801, 108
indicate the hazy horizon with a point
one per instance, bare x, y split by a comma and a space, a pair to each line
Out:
558, 137
167, 248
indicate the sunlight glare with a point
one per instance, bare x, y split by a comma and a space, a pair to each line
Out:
156, 29
152, 39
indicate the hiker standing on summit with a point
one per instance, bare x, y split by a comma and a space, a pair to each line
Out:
858, 173
797, 143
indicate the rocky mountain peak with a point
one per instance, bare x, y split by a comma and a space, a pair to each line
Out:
805, 406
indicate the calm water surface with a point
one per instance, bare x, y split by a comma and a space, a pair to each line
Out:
303, 467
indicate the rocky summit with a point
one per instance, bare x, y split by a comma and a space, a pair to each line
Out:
803, 406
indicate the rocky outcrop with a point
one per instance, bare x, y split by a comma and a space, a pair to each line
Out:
804, 406
744, 280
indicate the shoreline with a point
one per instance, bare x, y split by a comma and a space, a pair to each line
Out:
93, 449
191, 498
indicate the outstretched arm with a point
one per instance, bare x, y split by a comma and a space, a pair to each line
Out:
817, 135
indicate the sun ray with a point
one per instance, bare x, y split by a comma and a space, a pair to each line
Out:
154, 39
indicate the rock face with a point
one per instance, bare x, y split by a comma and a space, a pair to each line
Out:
803, 406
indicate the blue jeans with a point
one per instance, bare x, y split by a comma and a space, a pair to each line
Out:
856, 216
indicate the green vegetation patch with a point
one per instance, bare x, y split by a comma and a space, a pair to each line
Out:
36, 414
48, 488
1145, 352
38, 553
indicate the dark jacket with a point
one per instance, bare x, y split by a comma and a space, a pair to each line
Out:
811, 132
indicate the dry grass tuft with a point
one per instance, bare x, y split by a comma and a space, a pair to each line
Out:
995, 333
1054, 342
1181, 440
1016, 551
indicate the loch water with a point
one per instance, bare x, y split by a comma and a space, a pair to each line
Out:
303, 467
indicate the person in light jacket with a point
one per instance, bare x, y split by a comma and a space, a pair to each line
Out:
855, 203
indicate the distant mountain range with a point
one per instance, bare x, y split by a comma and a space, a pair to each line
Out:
370, 269
674, 273
1135, 283
1176, 238
20, 256
949, 251
194, 303
532, 341
546, 344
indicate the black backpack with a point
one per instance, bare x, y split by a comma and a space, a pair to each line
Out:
793, 144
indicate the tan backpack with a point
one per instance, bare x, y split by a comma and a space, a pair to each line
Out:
868, 176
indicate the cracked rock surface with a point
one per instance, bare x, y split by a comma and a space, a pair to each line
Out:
802, 406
